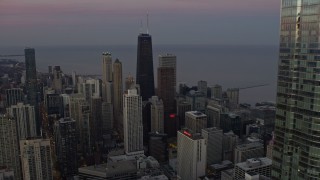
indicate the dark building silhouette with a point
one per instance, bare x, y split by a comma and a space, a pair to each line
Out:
144, 76
158, 146
66, 147
166, 92
31, 83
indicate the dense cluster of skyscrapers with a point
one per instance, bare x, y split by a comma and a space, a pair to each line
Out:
59, 126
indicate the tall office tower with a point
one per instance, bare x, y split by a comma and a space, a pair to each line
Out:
9, 151
213, 137
25, 119
32, 84
90, 88
216, 92
96, 119
230, 141
66, 104
145, 77
247, 151
50, 69
74, 79
36, 159
233, 97
213, 111
195, 121
192, 153
166, 92
132, 122
13, 96
117, 93
54, 104
197, 101
169, 60
107, 118
203, 87
231, 122
157, 115
80, 112
261, 166
129, 82
296, 147
106, 73
57, 79
158, 146
66, 147
182, 107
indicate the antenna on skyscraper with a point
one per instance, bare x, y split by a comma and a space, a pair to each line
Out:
147, 23
141, 26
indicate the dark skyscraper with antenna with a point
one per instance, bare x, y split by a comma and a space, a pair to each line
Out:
145, 77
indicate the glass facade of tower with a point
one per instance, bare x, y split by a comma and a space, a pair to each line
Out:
32, 83
145, 77
296, 153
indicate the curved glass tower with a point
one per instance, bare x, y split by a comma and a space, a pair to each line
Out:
296, 153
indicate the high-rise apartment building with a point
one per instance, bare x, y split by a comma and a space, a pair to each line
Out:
107, 118
24, 115
57, 79
158, 146
32, 84
213, 137
166, 88
203, 87
129, 82
106, 73
191, 157
96, 118
9, 145
90, 88
66, 147
157, 115
169, 60
132, 122
36, 159
145, 76
233, 97
182, 107
216, 92
230, 141
13, 96
296, 146
117, 93
80, 112
196, 121
197, 100
213, 111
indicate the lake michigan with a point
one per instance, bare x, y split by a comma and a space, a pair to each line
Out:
231, 66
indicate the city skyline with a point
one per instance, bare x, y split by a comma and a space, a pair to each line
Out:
183, 117
81, 22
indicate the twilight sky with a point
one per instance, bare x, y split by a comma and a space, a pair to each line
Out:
108, 22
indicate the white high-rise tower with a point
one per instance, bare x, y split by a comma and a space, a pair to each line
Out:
132, 122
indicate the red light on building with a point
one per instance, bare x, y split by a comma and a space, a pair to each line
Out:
187, 133
172, 116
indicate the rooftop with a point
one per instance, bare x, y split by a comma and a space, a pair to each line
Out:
249, 146
109, 169
254, 163
196, 113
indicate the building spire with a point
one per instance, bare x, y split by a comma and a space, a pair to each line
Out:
141, 26
147, 23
